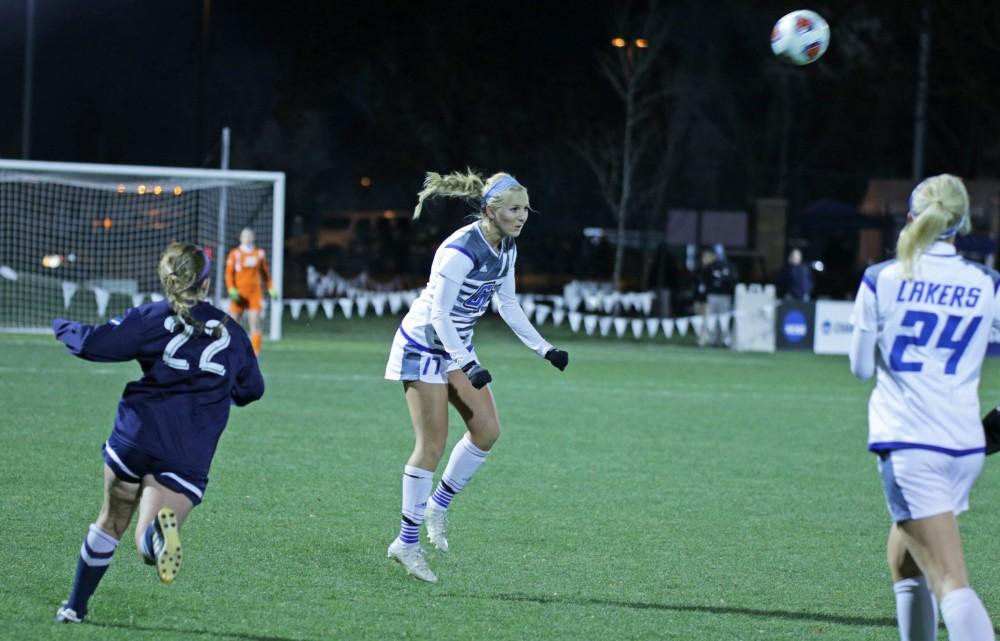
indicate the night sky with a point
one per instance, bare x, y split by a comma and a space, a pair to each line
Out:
329, 92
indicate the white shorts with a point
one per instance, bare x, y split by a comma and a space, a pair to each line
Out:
920, 483
410, 361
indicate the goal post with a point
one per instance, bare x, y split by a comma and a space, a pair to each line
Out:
82, 240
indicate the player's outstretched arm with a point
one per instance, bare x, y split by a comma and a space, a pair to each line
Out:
115, 341
512, 314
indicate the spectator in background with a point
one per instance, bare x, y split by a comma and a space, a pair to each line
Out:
716, 285
796, 282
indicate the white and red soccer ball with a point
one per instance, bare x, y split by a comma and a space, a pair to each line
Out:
800, 37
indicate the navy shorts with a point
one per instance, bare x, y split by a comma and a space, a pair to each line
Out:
130, 465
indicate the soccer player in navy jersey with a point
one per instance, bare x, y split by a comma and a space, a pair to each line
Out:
195, 365
432, 353
922, 324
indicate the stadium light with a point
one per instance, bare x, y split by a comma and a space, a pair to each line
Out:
121, 188
178, 191
366, 182
642, 43
618, 42
158, 190
141, 189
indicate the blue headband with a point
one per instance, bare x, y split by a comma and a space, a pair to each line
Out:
503, 184
204, 270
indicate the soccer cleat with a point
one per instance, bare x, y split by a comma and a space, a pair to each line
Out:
436, 520
412, 558
67, 615
167, 545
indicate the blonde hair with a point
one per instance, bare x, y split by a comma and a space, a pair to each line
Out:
180, 268
468, 186
939, 206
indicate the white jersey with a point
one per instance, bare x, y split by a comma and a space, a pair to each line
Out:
466, 273
933, 332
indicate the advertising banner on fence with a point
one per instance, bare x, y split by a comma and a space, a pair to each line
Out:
833, 327
794, 325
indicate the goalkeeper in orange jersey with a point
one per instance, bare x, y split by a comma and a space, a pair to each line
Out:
246, 275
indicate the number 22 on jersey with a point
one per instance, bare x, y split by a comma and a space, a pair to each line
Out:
205, 363
949, 338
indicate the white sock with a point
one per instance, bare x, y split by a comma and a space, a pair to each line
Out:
965, 617
98, 547
417, 484
465, 459
916, 610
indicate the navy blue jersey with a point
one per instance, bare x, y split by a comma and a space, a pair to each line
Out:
178, 409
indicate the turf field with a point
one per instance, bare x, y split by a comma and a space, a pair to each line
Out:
652, 491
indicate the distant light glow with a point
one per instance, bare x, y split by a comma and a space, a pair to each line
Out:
819, 266
157, 190
642, 43
121, 188
141, 189
52, 261
107, 222
178, 191
366, 182
618, 42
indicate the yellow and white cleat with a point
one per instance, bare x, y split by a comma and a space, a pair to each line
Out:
167, 544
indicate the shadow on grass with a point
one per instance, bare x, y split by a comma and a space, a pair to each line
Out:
208, 634
816, 617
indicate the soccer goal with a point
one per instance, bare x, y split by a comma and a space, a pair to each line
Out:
82, 241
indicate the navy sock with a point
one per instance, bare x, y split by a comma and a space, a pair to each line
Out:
95, 557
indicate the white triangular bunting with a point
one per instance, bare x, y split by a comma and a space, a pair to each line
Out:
589, 324
395, 302
697, 322
102, 296
652, 326
328, 305
362, 302
68, 289
713, 323
137, 299
604, 323
312, 306
541, 313
295, 307
574, 321
637, 326
346, 306
667, 324
378, 304
155, 297
682, 326
558, 314
621, 324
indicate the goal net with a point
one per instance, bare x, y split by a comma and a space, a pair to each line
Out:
82, 241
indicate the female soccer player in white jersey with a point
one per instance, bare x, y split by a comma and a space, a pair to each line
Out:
195, 365
929, 314
433, 356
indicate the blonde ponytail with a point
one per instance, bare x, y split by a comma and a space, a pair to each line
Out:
468, 186
181, 270
939, 207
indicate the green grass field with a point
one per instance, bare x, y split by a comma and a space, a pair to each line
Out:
652, 491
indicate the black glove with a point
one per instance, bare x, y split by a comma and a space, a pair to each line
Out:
558, 358
991, 427
478, 375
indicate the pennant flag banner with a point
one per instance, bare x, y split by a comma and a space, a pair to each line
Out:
697, 322
378, 304
295, 306
346, 306
558, 314
312, 306
395, 302
682, 326
604, 323
8, 273
573, 303
652, 325
409, 296
103, 296
713, 323
620, 325
156, 298
593, 301
362, 302
637, 325
328, 307
69, 289
574, 321
668, 327
541, 313
589, 324
137, 299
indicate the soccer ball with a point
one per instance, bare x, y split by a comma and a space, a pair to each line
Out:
800, 37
